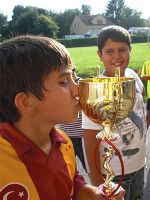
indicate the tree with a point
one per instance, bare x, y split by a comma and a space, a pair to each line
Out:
27, 24
19, 14
31, 20
64, 21
114, 10
131, 18
3, 24
47, 26
86, 10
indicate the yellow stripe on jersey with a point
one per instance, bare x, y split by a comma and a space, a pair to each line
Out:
68, 157
13, 170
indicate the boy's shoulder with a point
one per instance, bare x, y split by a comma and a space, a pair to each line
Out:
4, 144
130, 72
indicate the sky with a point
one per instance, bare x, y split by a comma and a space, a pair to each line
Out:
97, 6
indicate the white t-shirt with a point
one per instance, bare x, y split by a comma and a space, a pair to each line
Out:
132, 130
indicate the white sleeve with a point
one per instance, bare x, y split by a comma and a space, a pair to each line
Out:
88, 124
139, 84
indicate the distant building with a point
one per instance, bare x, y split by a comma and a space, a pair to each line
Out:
85, 24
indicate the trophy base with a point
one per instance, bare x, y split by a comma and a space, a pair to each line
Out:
106, 192
101, 135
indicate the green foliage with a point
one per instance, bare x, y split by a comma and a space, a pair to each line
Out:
80, 42
139, 38
47, 26
31, 20
86, 58
131, 18
86, 42
3, 23
86, 9
121, 15
64, 21
114, 10
27, 23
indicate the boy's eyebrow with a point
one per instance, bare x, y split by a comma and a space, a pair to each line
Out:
66, 72
107, 49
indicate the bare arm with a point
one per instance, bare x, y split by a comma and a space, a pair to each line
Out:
90, 146
145, 78
148, 118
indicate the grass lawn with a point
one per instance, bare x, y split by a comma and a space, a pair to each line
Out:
86, 58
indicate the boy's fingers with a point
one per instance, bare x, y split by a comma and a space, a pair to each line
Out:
120, 195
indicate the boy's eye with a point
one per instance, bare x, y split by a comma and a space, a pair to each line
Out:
123, 50
109, 52
63, 83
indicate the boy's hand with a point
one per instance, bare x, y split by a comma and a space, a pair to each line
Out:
89, 192
119, 196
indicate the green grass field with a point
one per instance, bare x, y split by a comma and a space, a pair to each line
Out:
86, 58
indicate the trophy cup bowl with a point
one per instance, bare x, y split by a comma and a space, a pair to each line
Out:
107, 101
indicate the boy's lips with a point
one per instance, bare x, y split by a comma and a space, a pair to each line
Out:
117, 64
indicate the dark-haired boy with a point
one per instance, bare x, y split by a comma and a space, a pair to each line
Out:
37, 91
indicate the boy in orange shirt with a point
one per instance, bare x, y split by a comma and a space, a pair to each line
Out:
37, 92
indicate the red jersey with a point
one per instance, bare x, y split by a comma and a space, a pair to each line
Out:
26, 172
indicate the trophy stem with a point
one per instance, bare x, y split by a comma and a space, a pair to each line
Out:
108, 189
106, 132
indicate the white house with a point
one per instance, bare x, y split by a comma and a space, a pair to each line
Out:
88, 23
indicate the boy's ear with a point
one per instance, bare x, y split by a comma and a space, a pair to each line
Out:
99, 54
23, 101
130, 49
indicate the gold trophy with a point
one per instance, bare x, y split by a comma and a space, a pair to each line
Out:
106, 101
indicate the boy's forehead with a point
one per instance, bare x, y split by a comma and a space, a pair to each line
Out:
67, 69
111, 42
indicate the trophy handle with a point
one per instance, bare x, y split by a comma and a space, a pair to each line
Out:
101, 187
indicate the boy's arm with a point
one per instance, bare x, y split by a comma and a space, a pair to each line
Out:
91, 142
144, 73
148, 118
89, 192
145, 78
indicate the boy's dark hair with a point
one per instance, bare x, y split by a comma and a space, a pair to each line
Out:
25, 62
115, 33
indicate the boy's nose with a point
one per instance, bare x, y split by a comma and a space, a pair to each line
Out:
116, 54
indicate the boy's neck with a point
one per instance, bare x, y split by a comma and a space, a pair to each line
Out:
38, 136
47, 148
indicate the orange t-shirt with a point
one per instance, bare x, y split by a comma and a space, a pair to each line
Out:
26, 172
